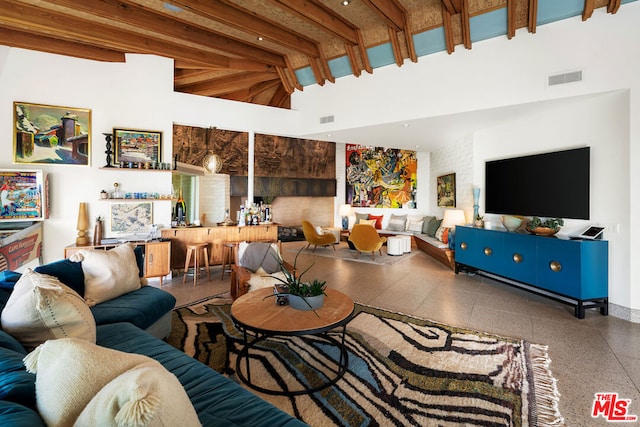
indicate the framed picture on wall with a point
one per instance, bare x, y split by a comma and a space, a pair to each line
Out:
137, 146
131, 217
47, 134
446, 191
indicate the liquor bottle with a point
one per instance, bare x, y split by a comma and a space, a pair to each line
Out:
181, 210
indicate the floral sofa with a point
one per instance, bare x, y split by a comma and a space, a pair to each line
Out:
75, 359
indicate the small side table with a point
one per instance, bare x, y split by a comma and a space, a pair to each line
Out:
395, 245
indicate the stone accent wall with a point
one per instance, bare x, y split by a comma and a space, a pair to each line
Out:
292, 210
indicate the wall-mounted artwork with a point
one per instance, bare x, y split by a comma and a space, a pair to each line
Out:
131, 217
23, 195
287, 157
381, 177
46, 134
137, 146
446, 191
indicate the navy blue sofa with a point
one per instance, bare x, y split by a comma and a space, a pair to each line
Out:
122, 324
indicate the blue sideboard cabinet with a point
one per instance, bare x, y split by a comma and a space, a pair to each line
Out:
572, 271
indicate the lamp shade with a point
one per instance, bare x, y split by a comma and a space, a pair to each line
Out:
212, 163
344, 210
453, 217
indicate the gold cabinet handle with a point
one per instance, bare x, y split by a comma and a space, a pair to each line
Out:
517, 258
555, 266
463, 246
488, 251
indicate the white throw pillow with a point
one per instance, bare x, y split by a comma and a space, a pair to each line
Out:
415, 226
41, 308
79, 383
413, 219
108, 274
260, 280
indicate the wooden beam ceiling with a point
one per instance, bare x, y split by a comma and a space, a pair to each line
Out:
258, 51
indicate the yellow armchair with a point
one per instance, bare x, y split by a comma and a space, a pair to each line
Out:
313, 238
365, 238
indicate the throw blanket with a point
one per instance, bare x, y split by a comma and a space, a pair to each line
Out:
260, 254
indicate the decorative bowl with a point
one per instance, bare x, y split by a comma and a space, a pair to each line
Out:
511, 223
544, 231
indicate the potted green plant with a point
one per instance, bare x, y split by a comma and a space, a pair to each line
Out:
548, 227
478, 221
300, 294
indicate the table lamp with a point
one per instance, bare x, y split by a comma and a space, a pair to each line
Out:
451, 218
344, 212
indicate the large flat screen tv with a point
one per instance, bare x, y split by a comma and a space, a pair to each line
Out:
546, 185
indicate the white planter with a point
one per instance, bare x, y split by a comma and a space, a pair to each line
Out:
312, 303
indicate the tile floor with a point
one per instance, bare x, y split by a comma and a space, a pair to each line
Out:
596, 354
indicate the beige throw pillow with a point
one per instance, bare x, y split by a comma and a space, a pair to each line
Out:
41, 308
79, 383
108, 274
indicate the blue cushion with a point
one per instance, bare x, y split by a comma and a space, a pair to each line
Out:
139, 253
142, 307
8, 341
8, 279
13, 414
216, 399
16, 384
69, 273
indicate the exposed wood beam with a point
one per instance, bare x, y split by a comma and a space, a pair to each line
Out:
453, 6
25, 40
511, 19
363, 53
325, 66
67, 27
355, 69
292, 75
464, 21
248, 94
533, 15
395, 46
284, 79
587, 12
244, 20
396, 17
321, 16
127, 12
319, 76
390, 11
448, 31
280, 98
227, 84
613, 6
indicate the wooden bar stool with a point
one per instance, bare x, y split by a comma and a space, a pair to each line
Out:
200, 251
228, 251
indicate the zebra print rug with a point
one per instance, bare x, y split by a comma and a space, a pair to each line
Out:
402, 370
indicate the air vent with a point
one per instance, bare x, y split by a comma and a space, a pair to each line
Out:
560, 79
326, 119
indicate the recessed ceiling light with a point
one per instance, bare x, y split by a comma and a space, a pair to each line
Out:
259, 38
172, 7
405, 125
345, 2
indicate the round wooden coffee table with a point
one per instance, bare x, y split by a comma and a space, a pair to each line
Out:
258, 316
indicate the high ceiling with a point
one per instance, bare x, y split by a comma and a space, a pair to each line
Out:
261, 51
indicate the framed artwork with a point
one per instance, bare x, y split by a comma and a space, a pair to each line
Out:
131, 217
23, 195
137, 145
47, 134
378, 177
446, 191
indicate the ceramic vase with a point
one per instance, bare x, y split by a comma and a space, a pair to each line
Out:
97, 233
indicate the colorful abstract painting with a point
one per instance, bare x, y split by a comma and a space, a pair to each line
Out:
381, 177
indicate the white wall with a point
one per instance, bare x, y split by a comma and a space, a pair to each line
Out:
499, 73
137, 94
